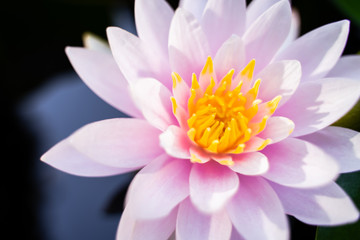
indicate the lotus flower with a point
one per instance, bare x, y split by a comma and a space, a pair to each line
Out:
231, 114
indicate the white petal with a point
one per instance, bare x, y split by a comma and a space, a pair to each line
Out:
159, 187
294, 29
211, 186
256, 8
194, 7
277, 129
254, 163
328, 205
181, 91
192, 224
347, 67
235, 235
67, 158
300, 164
154, 229
231, 55
175, 142
317, 104
341, 143
266, 35
116, 142
136, 59
319, 50
100, 72
153, 100
152, 24
221, 19
279, 78
188, 46
256, 211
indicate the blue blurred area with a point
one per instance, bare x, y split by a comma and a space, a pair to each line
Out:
70, 207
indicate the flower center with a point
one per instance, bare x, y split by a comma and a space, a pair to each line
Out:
220, 117
224, 116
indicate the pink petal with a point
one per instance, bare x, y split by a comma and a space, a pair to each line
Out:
328, 205
256, 144
341, 143
319, 50
181, 114
231, 55
256, 211
300, 164
100, 72
136, 59
153, 100
235, 235
256, 8
116, 142
152, 24
254, 163
279, 78
192, 224
207, 74
194, 7
222, 158
212, 186
346, 67
188, 47
159, 187
181, 91
266, 35
175, 142
221, 19
277, 129
65, 157
317, 104
294, 29
200, 154
154, 229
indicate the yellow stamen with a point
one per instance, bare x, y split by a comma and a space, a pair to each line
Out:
226, 162
195, 159
272, 105
239, 148
209, 89
264, 144
191, 134
175, 78
209, 67
225, 83
248, 71
174, 105
222, 118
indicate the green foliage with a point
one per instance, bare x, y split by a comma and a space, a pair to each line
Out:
351, 119
351, 8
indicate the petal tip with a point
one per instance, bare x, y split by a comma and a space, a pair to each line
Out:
44, 158
110, 30
68, 50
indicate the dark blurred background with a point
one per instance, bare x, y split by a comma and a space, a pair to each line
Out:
35, 69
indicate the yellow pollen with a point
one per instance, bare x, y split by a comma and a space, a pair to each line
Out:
195, 159
223, 118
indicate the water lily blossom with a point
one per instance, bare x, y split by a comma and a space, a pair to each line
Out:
231, 120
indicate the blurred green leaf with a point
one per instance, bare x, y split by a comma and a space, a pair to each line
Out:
351, 119
350, 8
350, 182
